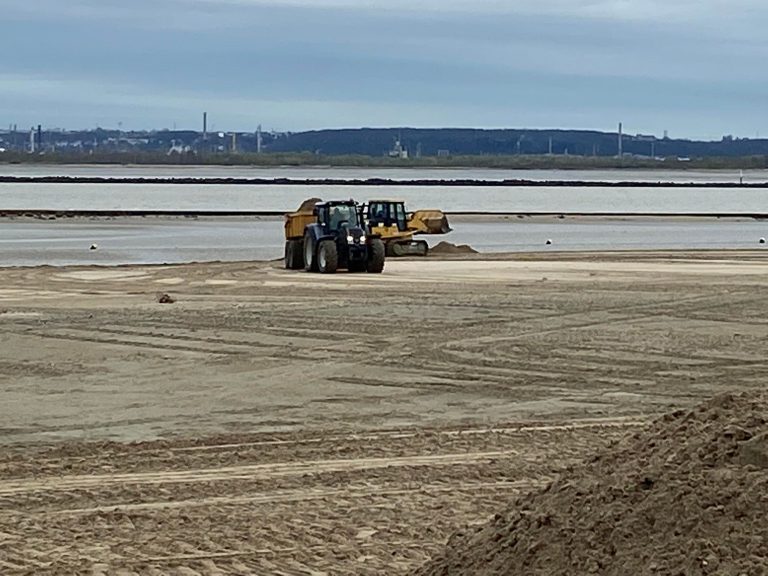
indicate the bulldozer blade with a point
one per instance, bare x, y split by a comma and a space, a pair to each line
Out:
430, 222
438, 225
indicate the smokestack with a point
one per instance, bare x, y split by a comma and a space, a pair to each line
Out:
621, 145
205, 125
258, 139
32, 140
39, 137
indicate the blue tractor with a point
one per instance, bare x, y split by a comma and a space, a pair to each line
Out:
338, 239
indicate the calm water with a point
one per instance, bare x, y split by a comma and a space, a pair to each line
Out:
451, 199
154, 240
157, 240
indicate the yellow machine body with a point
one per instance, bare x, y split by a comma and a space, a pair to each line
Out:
397, 228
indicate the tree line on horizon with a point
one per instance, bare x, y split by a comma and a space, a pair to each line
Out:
383, 146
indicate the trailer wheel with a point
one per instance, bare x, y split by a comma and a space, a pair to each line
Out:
294, 255
327, 257
376, 255
298, 254
288, 255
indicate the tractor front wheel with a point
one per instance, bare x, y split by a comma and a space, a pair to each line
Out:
376, 255
327, 257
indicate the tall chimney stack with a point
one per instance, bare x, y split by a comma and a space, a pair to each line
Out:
621, 144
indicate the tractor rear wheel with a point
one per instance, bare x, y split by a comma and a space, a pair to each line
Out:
327, 257
376, 255
310, 260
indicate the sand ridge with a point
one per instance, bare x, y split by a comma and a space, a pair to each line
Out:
686, 495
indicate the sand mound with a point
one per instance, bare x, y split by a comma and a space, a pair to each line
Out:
449, 248
687, 495
308, 205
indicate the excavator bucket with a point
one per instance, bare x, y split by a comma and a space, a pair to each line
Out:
429, 222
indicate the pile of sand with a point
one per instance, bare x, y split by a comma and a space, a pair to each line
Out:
309, 204
687, 495
449, 248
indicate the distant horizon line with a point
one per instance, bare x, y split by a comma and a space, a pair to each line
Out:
14, 128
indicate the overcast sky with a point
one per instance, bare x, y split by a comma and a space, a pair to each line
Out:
696, 68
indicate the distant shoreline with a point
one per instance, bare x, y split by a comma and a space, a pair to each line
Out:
459, 216
506, 183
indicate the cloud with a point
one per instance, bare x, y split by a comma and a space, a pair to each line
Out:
643, 10
679, 65
661, 11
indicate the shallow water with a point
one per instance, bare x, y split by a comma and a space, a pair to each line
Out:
157, 240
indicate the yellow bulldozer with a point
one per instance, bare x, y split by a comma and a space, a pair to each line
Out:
397, 228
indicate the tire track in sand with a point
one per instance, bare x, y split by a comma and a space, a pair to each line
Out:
306, 494
248, 472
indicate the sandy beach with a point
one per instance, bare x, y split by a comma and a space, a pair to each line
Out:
268, 421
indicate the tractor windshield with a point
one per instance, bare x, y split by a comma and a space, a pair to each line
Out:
342, 213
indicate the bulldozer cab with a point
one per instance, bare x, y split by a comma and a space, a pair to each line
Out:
387, 213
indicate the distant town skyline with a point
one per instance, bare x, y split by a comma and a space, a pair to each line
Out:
693, 68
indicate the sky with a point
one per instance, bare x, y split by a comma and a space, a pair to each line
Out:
696, 68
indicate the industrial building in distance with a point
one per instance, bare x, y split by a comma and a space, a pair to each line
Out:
374, 142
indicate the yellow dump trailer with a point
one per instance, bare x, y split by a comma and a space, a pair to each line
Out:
295, 225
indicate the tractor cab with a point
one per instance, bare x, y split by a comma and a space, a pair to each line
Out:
335, 216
